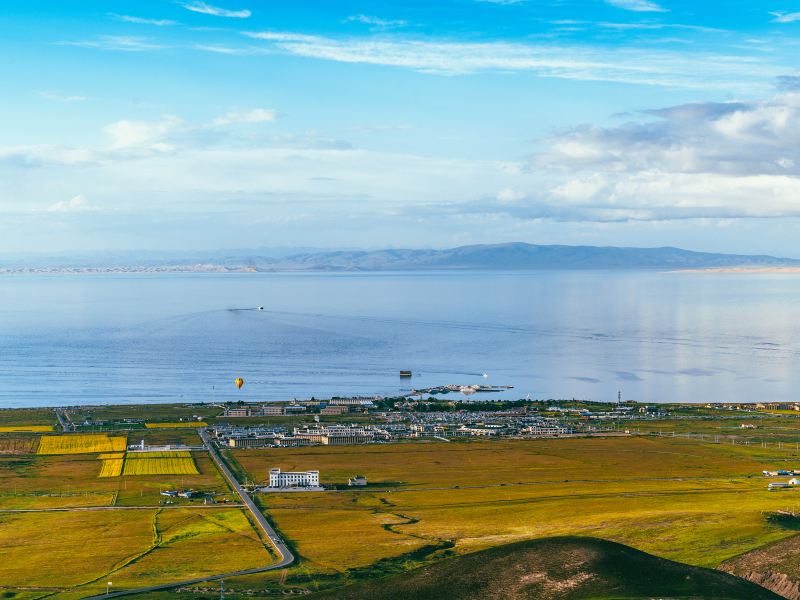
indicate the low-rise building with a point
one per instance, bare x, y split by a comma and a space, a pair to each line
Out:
335, 435
257, 441
236, 412
293, 479
357, 480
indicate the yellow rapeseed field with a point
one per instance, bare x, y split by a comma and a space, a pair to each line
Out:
162, 454
24, 428
159, 466
111, 467
175, 425
80, 444
111, 455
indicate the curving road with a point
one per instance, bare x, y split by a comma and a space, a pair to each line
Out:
286, 555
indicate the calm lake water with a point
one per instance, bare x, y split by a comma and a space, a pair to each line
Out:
658, 337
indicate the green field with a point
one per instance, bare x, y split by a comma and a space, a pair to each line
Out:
27, 416
131, 548
679, 497
71, 554
692, 502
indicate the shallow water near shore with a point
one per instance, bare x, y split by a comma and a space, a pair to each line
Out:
658, 337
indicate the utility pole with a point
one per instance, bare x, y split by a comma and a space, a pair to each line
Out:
221, 589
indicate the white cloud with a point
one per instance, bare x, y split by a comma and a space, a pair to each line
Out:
142, 135
228, 50
120, 43
637, 5
502, 2
75, 204
207, 9
62, 97
702, 160
727, 160
783, 17
619, 64
376, 21
256, 115
507, 195
729, 138
144, 21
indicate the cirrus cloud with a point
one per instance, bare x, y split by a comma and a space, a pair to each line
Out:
216, 11
637, 5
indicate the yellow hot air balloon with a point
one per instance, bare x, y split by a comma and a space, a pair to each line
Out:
239, 382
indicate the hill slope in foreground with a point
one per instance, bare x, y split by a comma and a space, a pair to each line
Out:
554, 568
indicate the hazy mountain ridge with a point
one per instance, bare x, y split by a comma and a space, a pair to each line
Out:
511, 256
526, 256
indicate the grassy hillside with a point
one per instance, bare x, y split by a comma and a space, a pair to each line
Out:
563, 568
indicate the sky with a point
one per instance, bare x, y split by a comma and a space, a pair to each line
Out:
192, 125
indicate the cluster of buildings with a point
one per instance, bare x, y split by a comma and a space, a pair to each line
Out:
406, 418
777, 485
334, 406
481, 424
441, 425
753, 407
316, 435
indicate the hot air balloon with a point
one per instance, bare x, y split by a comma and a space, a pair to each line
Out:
239, 382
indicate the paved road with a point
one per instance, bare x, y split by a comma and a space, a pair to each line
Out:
63, 421
286, 555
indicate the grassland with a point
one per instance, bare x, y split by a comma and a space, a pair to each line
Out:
144, 412
129, 547
688, 501
71, 480
159, 437
27, 416
81, 443
18, 444
555, 569
71, 554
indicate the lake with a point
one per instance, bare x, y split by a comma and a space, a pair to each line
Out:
657, 337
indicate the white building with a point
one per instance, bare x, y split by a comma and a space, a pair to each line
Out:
293, 479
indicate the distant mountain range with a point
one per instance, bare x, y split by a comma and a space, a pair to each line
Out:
511, 256
516, 256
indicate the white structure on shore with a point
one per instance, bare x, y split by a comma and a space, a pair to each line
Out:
293, 479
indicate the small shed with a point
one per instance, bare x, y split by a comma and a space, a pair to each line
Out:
357, 480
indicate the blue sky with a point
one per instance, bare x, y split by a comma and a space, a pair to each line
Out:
202, 125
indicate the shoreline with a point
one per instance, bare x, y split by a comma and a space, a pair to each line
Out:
745, 270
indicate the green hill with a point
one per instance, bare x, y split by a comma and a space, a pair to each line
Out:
550, 568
